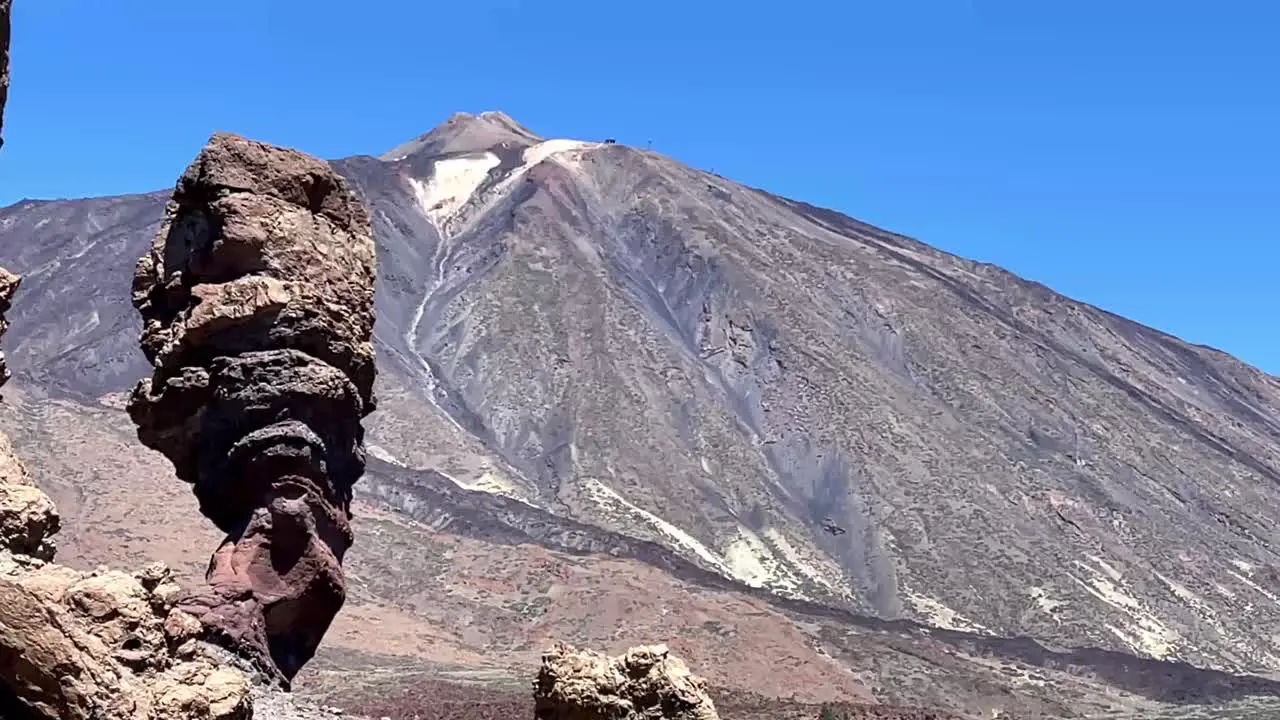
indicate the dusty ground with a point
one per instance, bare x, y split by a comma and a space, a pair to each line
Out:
431, 699
427, 603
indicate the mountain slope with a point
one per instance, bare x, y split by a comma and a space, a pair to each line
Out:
629, 344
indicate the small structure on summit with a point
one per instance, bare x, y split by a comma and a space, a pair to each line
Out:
257, 306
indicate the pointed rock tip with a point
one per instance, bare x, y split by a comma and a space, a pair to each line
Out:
497, 117
465, 132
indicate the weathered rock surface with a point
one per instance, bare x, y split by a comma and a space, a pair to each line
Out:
645, 683
257, 306
105, 645
8, 286
5, 6
12, 471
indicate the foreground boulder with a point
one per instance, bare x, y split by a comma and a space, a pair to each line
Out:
257, 306
107, 645
100, 645
645, 683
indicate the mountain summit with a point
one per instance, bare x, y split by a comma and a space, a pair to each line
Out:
596, 350
464, 132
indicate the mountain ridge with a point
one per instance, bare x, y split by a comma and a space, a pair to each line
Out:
463, 116
618, 341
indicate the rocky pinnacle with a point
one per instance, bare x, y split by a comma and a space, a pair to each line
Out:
257, 306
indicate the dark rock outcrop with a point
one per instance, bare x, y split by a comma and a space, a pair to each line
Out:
257, 307
8, 286
5, 7
8, 281
644, 683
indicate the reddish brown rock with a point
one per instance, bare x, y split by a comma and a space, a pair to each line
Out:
257, 308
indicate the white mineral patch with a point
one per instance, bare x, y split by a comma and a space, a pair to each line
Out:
558, 150
805, 566
1145, 632
940, 615
543, 150
749, 560
381, 453
452, 183
605, 496
1046, 604
1243, 566
491, 483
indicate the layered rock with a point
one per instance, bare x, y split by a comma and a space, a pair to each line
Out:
257, 307
645, 683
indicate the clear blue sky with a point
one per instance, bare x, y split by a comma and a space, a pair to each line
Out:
1125, 152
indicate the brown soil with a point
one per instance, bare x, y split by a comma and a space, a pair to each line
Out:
439, 700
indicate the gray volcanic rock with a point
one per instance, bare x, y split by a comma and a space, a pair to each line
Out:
462, 133
627, 343
257, 308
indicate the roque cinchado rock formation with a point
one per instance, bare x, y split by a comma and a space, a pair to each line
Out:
644, 683
257, 307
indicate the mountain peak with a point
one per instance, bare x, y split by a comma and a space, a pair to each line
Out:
464, 132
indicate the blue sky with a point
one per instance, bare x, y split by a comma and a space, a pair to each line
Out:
1124, 153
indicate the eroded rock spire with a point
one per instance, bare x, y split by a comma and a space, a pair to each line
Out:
257, 307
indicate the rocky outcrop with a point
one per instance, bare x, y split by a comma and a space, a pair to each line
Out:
645, 683
5, 6
257, 307
102, 645
8, 286
107, 645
